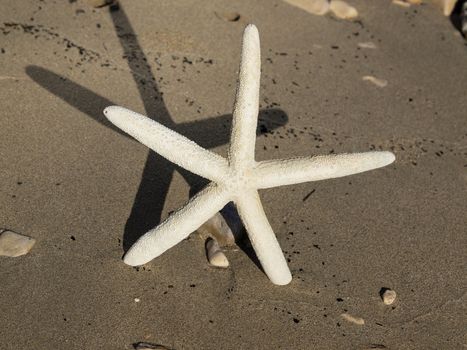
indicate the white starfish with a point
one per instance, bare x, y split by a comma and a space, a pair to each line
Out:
236, 178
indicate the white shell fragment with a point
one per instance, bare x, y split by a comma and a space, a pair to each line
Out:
389, 296
216, 256
236, 178
217, 228
353, 319
14, 244
378, 82
315, 7
401, 3
341, 9
367, 45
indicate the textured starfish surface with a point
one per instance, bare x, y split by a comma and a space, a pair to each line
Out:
236, 178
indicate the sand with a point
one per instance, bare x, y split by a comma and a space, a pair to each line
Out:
85, 191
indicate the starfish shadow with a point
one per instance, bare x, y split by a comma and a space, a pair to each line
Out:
157, 174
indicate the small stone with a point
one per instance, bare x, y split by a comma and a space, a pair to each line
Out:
388, 296
367, 45
137, 300
315, 7
14, 244
341, 9
215, 255
378, 82
353, 319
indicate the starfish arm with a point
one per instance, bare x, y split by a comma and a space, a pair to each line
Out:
262, 238
169, 144
178, 226
296, 170
246, 108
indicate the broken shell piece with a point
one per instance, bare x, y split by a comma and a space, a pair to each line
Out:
216, 256
315, 7
401, 3
341, 9
356, 320
389, 296
14, 244
367, 45
217, 228
378, 82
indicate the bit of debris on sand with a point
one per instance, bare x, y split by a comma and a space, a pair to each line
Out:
378, 82
13, 244
353, 319
388, 296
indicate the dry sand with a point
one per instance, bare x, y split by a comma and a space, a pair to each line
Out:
84, 191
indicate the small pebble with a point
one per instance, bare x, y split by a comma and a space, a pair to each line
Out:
352, 319
215, 255
389, 296
315, 7
341, 9
137, 300
14, 244
378, 82
367, 45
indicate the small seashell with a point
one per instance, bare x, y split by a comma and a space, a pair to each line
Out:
215, 255
217, 228
388, 296
315, 7
356, 320
341, 9
400, 3
378, 82
14, 244
367, 45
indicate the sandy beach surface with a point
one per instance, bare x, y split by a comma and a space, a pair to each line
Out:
85, 191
